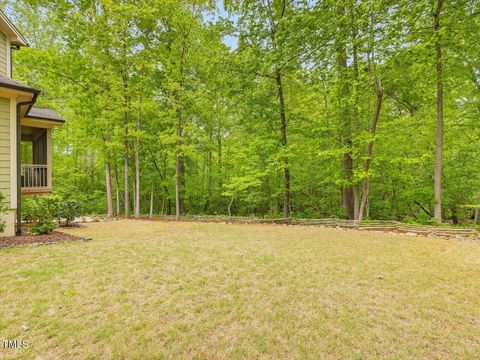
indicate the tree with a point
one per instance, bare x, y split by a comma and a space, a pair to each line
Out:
439, 140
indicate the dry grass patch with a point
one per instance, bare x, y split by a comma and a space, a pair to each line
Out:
144, 290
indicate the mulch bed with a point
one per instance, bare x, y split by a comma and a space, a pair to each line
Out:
29, 239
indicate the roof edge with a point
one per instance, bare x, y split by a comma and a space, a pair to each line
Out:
27, 116
21, 88
42, 113
9, 83
21, 41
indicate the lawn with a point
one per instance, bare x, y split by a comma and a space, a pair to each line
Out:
142, 290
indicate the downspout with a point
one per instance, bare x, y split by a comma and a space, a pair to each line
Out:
18, 231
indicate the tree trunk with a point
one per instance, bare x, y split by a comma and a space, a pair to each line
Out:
150, 214
178, 167
117, 192
178, 160
286, 169
126, 109
356, 202
108, 186
229, 209
117, 198
219, 159
347, 191
347, 161
366, 182
137, 164
437, 210
126, 184
477, 210
209, 172
356, 121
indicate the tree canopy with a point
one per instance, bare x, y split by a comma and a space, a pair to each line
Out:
273, 108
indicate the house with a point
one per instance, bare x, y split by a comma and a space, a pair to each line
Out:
25, 134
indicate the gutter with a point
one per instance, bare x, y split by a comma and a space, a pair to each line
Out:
30, 103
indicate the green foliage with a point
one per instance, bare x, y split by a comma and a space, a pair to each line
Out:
422, 219
3, 210
40, 212
154, 82
41, 227
69, 209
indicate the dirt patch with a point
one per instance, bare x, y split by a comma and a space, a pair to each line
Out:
28, 239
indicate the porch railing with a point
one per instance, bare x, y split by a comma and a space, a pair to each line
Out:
34, 176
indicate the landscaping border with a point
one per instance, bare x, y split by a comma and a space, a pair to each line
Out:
366, 225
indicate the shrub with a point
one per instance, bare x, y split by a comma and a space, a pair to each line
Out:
425, 219
3, 210
92, 202
40, 212
41, 227
29, 209
409, 220
69, 209
420, 219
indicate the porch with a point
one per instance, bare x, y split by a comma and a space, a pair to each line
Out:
35, 154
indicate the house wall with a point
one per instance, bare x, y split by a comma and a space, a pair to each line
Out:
4, 55
8, 162
5, 147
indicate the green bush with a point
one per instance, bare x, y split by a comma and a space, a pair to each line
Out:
40, 212
3, 210
69, 209
41, 227
93, 202
28, 209
425, 219
409, 220
420, 219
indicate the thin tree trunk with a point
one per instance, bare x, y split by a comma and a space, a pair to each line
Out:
126, 184
477, 210
126, 121
346, 140
366, 182
230, 207
162, 178
286, 169
178, 160
437, 209
219, 159
117, 197
178, 167
125, 159
108, 186
356, 121
356, 202
283, 118
347, 191
137, 163
117, 192
150, 215
209, 168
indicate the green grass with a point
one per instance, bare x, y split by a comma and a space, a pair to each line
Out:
144, 290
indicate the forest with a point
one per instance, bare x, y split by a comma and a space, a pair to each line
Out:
354, 109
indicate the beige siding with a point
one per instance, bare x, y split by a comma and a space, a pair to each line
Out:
3, 54
5, 147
